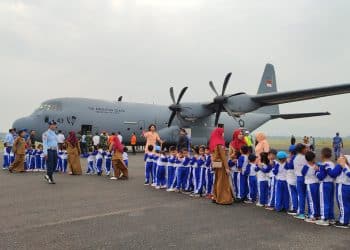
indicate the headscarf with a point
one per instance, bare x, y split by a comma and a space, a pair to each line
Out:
72, 138
237, 143
216, 138
117, 145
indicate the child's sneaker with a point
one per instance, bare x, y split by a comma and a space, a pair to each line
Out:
341, 225
146, 184
114, 178
300, 216
259, 204
176, 190
195, 195
154, 185
292, 212
269, 208
332, 222
157, 187
322, 223
170, 190
310, 220
163, 187
248, 202
185, 192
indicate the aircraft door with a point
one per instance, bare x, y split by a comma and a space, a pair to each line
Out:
142, 125
86, 128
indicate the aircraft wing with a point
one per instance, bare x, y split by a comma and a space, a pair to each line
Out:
299, 95
300, 115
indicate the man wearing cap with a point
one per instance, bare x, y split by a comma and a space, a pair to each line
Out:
50, 143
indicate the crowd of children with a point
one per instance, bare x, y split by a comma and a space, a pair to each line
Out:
99, 161
275, 180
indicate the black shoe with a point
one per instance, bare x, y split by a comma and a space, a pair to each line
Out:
52, 182
47, 178
341, 225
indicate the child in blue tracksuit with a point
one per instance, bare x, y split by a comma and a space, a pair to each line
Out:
272, 180
108, 162
59, 166
209, 174
299, 162
64, 160
263, 171
38, 159
182, 171
161, 170
195, 171
242, 182
32, 155
154, 167
171, 184
91, 162
6, 160
250, 174
199, 173
190, 175
232, 164
342, 174
148, 165
281, 190
292, 182
312, 187
326, 188
99, 161
126, 157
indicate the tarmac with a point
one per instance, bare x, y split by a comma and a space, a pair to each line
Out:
93, 212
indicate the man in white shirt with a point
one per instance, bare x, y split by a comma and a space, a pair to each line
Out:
120, 137
96, 140
60, 139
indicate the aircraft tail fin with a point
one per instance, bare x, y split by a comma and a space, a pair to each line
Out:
268, 85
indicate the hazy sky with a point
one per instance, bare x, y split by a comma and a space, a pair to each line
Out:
138, 49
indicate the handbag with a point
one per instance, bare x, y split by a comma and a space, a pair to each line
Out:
216, 164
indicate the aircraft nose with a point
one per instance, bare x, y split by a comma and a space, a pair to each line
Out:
23, 123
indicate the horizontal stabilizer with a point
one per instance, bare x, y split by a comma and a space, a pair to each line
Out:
299, 95
300, 115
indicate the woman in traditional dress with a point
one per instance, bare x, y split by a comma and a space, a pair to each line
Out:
237, 142
152, 137
223, 194
73, 151
117, 149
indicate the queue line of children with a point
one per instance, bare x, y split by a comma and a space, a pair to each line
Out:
276, 180
178, 171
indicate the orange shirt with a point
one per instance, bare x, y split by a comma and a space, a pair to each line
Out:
133, 140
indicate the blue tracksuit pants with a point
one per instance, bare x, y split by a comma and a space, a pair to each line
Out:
301, 189
327, 200
161, 178
201, 180
313, 199
148, 172
281, 196
182, 173
189, 180
263, 190
253, 188
209, 181
171, 177
293, 197
235, 183
343, 199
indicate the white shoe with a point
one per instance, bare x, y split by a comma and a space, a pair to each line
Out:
310, 220
170, 190
157, 187
154, 184
259, 205
163, 187
322, 223
108, 173
248, 202
114, 178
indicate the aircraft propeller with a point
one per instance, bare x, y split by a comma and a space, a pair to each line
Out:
176, 106
221, 100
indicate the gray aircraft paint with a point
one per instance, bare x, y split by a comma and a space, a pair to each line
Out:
249, 112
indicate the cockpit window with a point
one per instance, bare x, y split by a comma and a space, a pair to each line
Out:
52, 106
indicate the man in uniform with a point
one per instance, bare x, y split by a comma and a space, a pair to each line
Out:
88, 140
19, 149
337, 145
103, 140
50, 143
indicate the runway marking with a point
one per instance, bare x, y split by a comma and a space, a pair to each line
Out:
82, 218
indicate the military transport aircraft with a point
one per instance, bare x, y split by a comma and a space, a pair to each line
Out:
234, 110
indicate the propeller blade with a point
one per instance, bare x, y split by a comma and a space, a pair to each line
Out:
217, 116
224, 86
172, 116
211, 84
172, 94
181, 94
228, 110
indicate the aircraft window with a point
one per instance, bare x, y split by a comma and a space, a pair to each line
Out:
50, 107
